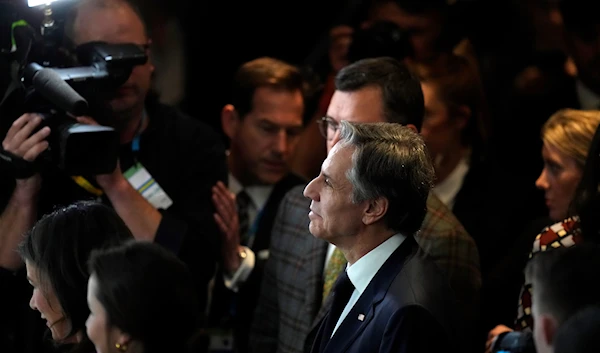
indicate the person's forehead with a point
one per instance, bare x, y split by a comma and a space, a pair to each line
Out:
113, 25
364, 105
339, 158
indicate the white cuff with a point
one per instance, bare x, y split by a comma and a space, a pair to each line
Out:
243, 272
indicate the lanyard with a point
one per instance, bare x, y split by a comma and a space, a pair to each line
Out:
135, 143
135, 148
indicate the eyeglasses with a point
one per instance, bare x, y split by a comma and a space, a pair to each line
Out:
328, 127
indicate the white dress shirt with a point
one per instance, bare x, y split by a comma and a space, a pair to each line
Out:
588, 100
448, 188
362, 271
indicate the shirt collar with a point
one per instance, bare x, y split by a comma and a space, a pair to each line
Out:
587, 98
259, 194
362, 271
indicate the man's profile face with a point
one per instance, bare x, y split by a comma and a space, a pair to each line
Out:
115, 25
362, 106
333, 216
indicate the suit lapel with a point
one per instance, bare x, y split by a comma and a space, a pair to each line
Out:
364, 310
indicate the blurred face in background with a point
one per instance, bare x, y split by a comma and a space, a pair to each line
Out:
583, 46
362, 106
424, 29
558, 180
441, 131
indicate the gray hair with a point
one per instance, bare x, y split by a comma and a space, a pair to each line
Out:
391, 161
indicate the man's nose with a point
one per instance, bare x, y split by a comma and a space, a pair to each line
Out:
310, 190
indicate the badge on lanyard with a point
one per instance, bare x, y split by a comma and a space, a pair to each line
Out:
144, 183
141, 180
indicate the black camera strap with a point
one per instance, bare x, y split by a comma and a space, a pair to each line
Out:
20, 168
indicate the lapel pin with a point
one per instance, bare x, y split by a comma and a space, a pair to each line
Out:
361, 317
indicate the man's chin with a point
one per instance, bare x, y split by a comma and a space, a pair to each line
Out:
271, 178
122, 105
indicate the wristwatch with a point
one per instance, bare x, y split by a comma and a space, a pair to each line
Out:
242, 254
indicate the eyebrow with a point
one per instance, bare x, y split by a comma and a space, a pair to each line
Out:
550, 159
332, 118
267, 121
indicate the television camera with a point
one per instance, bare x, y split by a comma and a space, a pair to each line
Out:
60, 81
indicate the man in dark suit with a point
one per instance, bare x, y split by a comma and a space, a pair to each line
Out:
290, 303
263, 123
369, 200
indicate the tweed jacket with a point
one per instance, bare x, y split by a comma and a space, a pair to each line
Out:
291, 294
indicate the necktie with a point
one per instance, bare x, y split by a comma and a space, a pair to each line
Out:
342, 291
243, 202
335, 266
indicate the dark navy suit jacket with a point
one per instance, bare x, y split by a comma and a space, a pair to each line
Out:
407, 307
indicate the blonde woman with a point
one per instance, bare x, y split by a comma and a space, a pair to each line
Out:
567, 137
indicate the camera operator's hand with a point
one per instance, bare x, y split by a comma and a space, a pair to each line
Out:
341, 38
493, 334
22, 143
105, 181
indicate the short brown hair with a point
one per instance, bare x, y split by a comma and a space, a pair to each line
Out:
264, 72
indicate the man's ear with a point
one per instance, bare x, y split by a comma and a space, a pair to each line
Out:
463, 116
375, 210
149, 53
229, 120
549, 325
412, 127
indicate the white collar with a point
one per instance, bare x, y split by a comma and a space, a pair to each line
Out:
259, 194
588, 100
362, 271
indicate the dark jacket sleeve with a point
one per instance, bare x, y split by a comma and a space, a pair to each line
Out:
191, 159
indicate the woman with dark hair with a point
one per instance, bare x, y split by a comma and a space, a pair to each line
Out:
142, 300
56, 251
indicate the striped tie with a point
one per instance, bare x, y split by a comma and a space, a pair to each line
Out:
243, 202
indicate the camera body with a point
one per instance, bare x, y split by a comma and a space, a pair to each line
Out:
60, 84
